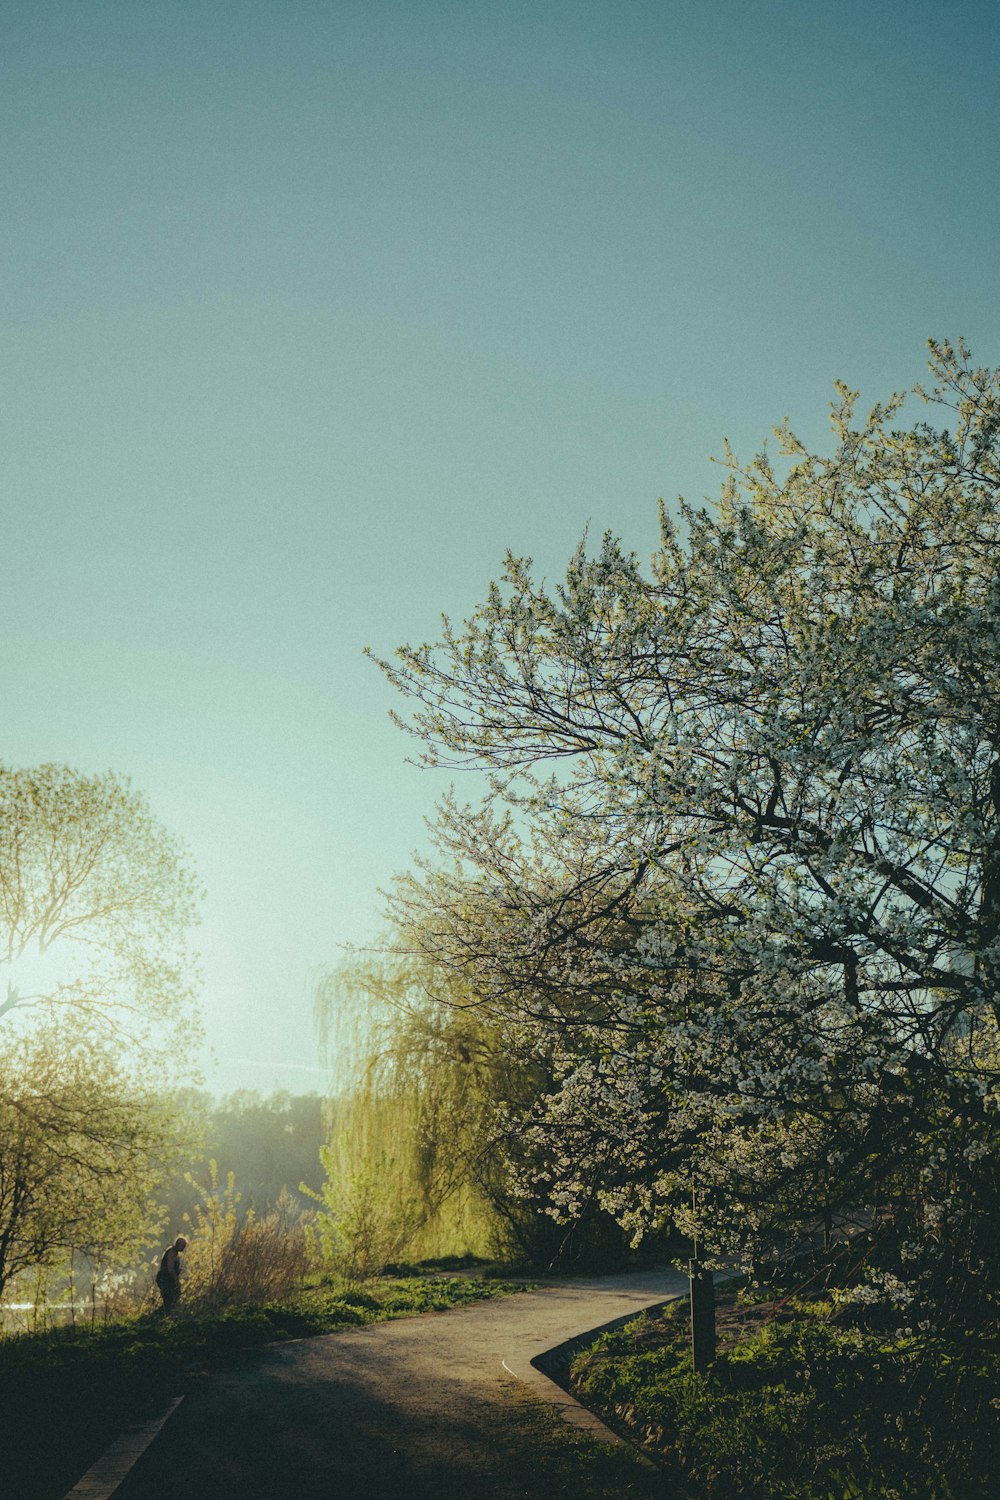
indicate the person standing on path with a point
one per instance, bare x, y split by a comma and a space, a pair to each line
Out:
168, 1277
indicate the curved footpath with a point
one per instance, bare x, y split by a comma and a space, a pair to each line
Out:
404, 1410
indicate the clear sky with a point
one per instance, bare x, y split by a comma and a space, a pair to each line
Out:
310, 310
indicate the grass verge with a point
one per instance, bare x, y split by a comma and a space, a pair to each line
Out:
800, 1408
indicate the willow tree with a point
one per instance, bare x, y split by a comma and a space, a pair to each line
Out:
740, 859
423, 1156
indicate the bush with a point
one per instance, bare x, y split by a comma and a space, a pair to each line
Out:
233, 1259
365, 1221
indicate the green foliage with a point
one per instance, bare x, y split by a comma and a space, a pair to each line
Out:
419, 1159
408, 1163
80, 1147
804, 1410
268, 1146
735, 873
95, 900
209, 1231
96, 1017
367, 1216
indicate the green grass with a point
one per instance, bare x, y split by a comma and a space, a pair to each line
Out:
804, 1410
65, 1393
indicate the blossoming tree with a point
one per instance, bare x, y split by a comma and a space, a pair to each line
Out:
739, 864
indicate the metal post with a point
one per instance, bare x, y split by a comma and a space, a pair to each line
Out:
702, 1315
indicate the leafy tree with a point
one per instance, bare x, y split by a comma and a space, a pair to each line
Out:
98, 1016
739, 865
407, 1159
423, 1150
94, 903
81, 1148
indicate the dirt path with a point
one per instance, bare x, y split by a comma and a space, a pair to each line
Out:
395, 1411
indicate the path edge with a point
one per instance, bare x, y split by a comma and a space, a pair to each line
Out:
533, 1373
103, 1478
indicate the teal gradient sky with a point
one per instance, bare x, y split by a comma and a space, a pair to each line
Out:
310, 310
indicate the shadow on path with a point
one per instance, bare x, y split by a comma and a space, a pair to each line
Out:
397, 1411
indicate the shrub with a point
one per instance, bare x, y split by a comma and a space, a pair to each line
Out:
362, 1225
232, 1259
